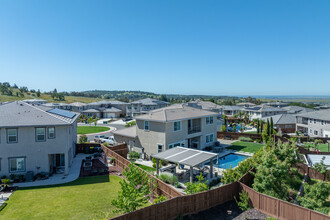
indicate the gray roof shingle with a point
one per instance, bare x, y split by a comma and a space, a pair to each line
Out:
20, 114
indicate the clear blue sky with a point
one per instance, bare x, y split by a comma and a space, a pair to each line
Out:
265, 47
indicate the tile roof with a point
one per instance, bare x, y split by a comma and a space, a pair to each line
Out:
297, 109
91, 111
112, 109
320, 115
207, 105
175, 112
19, 114
282, 119
149, 101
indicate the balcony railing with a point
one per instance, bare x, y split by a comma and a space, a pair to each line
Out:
194, 129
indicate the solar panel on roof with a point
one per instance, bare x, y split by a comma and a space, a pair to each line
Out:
61, 112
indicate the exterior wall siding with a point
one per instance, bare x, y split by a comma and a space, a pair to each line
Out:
37, 153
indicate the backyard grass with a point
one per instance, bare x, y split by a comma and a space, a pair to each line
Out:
246, 146
84, 198
146, 168
91, 129
321, 147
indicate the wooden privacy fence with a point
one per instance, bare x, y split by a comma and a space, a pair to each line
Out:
184, 205
312, 173
162, 188
281, 209
276, 207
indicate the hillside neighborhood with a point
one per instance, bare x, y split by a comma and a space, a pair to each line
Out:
185, 145
164, 110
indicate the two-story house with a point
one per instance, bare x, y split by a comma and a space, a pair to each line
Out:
143, 106
315, 124
261, 111
165, 128
36, 138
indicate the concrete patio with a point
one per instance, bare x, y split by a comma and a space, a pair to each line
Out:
59, 178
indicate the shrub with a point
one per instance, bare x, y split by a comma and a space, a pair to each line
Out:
243, 202
154, 165
245, 139
133, 155
106, 144
159, 199
196, 187
163, 162
12, 176
82, 139
168, 179
177, 185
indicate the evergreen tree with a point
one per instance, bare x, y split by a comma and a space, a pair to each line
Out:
271, 126
258, 126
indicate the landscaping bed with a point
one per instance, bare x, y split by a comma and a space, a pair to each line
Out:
91, 129
220, 212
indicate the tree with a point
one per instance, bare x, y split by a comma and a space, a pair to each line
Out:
134, 190
265, 133
196, 187
95, 120
316, 196
271, 126
273, 169
90, 120
258, 126
38, 93
82, 139
321, 167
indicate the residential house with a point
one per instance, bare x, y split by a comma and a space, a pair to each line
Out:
35, 101
315, 124
78, 106
296, 109
168, 127
143, 106
105, 109
36, 138
246, 104
262, 111
284, 122
231, 110
209, 106
277, 104
59, 106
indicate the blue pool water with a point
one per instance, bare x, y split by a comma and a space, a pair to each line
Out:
229, 161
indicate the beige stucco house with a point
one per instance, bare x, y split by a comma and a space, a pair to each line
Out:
165, 128
36, 138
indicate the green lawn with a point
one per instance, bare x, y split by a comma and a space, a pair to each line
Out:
84, 198
321, 147
91, 129
251, 132
146, 168
246, 146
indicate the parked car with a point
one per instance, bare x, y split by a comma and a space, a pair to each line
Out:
127, 118
97, 138
110, 140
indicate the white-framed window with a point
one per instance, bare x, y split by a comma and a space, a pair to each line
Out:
177, 126
314, 121
40, 134
316, 132
209, 120
160, 148
146, 125
51, 133
176, 144
310, 131
12, 135
209, 138
16, 164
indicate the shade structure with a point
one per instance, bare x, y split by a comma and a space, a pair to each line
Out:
185, 156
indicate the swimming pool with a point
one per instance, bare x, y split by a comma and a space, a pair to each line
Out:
229, 161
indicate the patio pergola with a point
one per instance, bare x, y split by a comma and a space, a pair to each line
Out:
186, 156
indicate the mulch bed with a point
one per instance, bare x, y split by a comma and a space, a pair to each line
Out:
99, 168
220, 213
10, 189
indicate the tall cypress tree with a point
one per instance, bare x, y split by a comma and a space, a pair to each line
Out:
271, 125
258, 126
268, 127
261, 126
